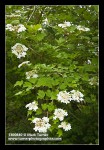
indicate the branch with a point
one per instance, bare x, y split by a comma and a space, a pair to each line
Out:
31, 15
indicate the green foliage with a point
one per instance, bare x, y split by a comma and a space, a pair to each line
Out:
60, 56
19, 83
59, 132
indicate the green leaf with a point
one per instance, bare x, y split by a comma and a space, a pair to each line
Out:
40, 36
18, 83
41, 94
44, 106
15, 22
96, 8
29, 112
32, 118
51, 128
60, 132
19, 93
27, 84
53, 95
38, 111
55, 82
37, 26
55, 121
51, 107
51, 117
72, 28
63, 86
48, 93
33, 80
95, 39
44, 82
61, 40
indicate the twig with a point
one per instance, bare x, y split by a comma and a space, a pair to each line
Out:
34, 51
47, 113
31, 15
75, 116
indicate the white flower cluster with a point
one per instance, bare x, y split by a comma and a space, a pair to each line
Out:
66, 97
19, 50
93, 81
41, 124
60, 114
19, 28
66, 126
32, 106
45, 22
31, 74
65, 24
76, 95
82, 28
88, 61
24, 63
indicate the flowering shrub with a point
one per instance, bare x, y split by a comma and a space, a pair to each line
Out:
62, 76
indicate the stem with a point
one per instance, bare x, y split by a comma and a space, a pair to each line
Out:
75, 116
34, 51
31, 14
47, 113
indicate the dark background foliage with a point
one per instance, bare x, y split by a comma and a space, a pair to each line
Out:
65, 52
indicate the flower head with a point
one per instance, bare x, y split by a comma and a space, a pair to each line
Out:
32, 106
65, 24
66, 126
45, 22
21, 28
76, 95
88, 61
82, 28
41, 124
93, 81
64, 97
60, 114
19, 50
9, 27
31, 74
16, 28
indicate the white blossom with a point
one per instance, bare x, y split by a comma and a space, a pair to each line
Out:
17, 11
76, 95
66, 126
64, 97
23, 63
82, 28
88, 61
41, 124
32, 106
65, 24
93, 81
31, 74
19, 50
40, 29
21, 28
17, 28
60, 114
45, 22
9, 27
